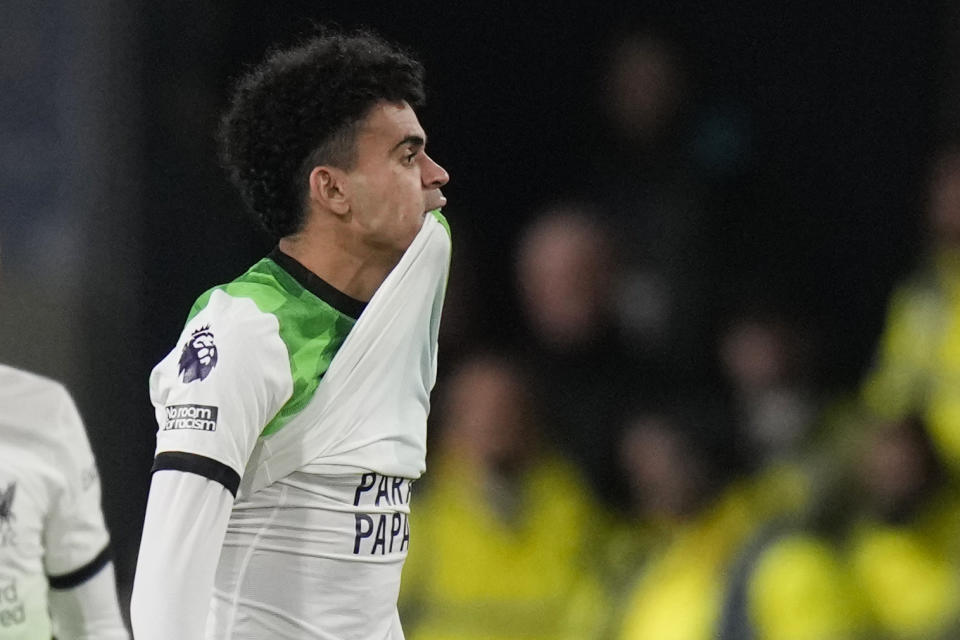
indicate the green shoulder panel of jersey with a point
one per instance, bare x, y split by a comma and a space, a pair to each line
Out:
442, 220
311, 329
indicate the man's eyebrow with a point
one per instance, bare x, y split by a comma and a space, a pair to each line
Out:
413, 140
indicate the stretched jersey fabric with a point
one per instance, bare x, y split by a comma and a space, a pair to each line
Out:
52, 532
310, 408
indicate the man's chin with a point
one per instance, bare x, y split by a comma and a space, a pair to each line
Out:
434, 201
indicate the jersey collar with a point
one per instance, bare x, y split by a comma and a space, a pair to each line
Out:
318, 286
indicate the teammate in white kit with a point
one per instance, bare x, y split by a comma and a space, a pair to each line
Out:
56, 576
292, 410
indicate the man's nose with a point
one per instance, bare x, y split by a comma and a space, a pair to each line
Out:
434, 176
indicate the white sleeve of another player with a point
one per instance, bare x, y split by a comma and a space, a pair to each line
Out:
83, 596
89, 611
182, 534
75, 531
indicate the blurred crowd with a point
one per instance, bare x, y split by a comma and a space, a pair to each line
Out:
656, 456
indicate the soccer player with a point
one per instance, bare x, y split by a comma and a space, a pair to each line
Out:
292, 410
56, 576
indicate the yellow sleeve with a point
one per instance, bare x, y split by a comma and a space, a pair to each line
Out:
911, 587
896, 383
800, 591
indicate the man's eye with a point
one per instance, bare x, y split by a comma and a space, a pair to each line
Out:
409, 158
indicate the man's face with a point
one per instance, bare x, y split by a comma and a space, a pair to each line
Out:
394, 182
945, 199
563, 279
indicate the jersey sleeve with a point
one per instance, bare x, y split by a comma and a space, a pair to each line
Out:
895, 384
228, 375
800, 568
183, 530
75, 537
90, 610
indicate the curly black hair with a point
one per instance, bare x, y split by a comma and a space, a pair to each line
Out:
300, 108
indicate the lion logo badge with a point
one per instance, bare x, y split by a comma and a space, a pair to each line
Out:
199, 355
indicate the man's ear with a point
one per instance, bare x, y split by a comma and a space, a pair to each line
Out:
329, 188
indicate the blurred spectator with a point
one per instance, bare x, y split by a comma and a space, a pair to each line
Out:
765, 365
720, 569
503, 525
565, 270
656, 161
905, 535
685, 487
647, 88
794, 438
763, 361
879, 559
791, 583
585, 370
917, 363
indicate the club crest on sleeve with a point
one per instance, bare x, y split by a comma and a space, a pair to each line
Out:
199, 355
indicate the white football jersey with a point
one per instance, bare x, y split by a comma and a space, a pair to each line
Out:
311, 410
52, 529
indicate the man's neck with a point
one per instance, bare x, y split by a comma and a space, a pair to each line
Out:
342, 262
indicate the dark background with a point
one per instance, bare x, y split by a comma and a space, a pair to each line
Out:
115, 215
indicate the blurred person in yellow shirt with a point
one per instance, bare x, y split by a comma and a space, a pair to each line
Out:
904, 537
788, 582
876, 559
505, 529
765, 359
722, 564
685, 493
917, 364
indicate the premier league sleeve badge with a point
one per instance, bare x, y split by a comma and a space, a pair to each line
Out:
199, 355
